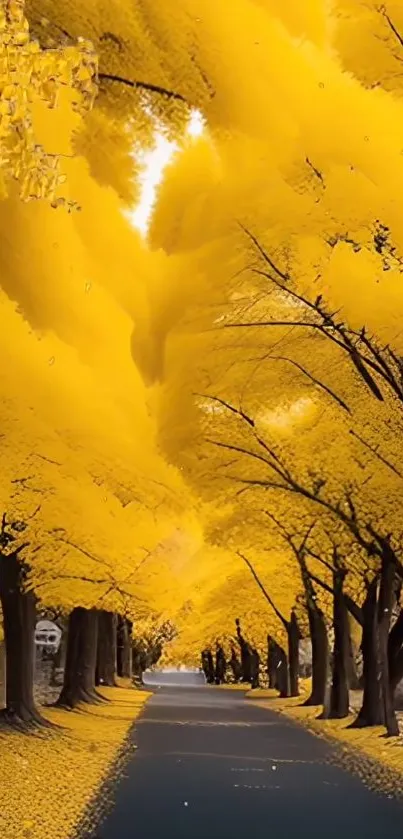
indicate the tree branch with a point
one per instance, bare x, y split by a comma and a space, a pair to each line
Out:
264, 590
338, 333
392, 25
376, 453
146, 86
314, 381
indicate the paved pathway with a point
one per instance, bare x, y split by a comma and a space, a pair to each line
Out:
211, 764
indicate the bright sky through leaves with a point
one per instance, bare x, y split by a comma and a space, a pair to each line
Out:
153, 164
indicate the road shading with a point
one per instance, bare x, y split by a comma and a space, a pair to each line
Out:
210, 763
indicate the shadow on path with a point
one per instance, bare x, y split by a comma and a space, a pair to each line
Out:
210, 764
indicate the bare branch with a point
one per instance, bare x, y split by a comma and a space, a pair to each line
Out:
84, 552
263, 589
391, 25
321, 583
376, 453
320, 559
338, 333
314, 380
283, 276
242, 415
146, 86
47, 459
241, 450
315, 171
229, 407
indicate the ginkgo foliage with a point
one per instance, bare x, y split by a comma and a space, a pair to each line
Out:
214, 413
289, 331
30, 75
82, 470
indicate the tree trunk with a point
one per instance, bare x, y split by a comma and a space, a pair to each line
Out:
235, 666
124, 648
339, 694
246, 665
371, 712
319, 641
352, 675
19, 619
246, 657
220, 667
278, 670
59, 660
385, 606
81, 658
255, 669
210, 666
106, 649
395, 653
396, 675
207, 665
293, 654
138, 662
271, 662
282, 675
320, 657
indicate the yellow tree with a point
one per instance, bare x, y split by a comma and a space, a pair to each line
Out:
287, 175
290, 178
216, 603
65, 407
148, 71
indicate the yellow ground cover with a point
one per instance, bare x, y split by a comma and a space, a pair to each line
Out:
235, 687
370, 741
48, 781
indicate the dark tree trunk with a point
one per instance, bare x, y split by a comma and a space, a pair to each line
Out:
319, 641
395, 653
235, 666
106, 649
137, 669
339, 694
207, 666
277, 668
320, 657
124, 651
246, 655
352, 675
220, 667
371, 712
59, 660
210, 667
19, 619
81, 658
396, 675
293, 636
246, 665
255, 669
395, 640
385, 606
272, 662
282, 674
204, 666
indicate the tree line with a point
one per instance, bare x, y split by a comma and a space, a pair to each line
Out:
335, 670
244, 665
337, 514
100, 645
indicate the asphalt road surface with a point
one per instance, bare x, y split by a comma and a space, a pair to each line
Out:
211, 764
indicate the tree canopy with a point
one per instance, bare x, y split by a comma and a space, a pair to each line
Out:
204, 424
